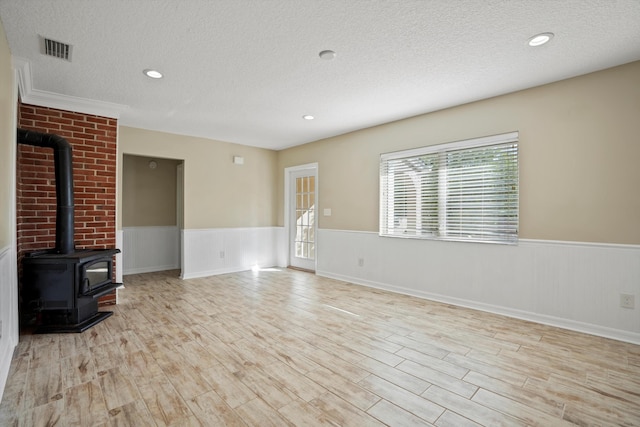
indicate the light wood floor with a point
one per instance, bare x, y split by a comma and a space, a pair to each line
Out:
289, 348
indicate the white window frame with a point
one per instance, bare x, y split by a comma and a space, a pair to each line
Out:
388, 202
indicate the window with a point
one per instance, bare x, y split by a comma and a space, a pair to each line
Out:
465, 190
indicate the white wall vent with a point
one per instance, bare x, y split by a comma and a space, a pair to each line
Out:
55, 48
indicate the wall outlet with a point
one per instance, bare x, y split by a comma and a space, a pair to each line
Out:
360, 262
627, 301
221, 254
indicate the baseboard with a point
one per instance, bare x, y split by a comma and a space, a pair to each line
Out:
597, 330
5, 364
150, 269
216, 272
9, 333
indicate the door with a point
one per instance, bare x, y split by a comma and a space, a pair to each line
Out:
302, 218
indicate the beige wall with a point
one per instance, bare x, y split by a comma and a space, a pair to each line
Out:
578, 162
148, 195
7, 142
217, 193
579, 154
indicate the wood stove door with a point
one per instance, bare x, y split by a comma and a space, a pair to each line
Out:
95, 274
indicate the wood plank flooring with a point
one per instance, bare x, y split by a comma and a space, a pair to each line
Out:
288, 348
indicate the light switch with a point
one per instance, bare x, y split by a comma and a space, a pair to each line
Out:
327, 212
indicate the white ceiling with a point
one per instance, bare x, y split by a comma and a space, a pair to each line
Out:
246, 71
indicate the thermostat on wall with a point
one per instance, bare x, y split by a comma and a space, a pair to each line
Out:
237, 160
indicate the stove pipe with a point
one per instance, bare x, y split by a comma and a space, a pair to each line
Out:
64, 184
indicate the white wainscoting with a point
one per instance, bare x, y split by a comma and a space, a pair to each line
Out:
147, 249
9, 331
571, 285
119, 266
207, 252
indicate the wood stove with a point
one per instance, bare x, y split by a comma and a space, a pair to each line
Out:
61, 286
63, 289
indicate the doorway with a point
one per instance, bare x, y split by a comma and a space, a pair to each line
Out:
301, 208
152, 213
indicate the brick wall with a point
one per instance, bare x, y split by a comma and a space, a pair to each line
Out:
93, 141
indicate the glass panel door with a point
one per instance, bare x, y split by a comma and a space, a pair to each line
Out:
303, 224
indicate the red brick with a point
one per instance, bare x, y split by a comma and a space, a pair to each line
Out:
106, 139
80, 149
94, 178
27, 124
104, 229
38, 232
107, 300
30, 116
81, 119
69, 115
60, 120
35, 194
104, 242
94, 155
83, 133
71, 128
48, 112
98, 120
94, 132
47, 126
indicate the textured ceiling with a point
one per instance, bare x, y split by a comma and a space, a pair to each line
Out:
246, 71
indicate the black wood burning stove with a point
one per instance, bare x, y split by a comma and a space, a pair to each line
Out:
62, 285
63, 289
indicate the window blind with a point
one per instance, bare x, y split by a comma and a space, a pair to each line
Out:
466, 190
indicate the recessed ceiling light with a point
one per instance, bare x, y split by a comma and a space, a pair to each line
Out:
154, 74
540, 39
327, 55
308, 117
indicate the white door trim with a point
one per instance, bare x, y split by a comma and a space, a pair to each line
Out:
180, 211
287, 206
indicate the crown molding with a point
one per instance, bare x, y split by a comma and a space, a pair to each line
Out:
41, 98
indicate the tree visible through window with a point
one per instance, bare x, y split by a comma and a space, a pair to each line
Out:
305, 217
466, 190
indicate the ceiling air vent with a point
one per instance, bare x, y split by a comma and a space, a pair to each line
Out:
55, 48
